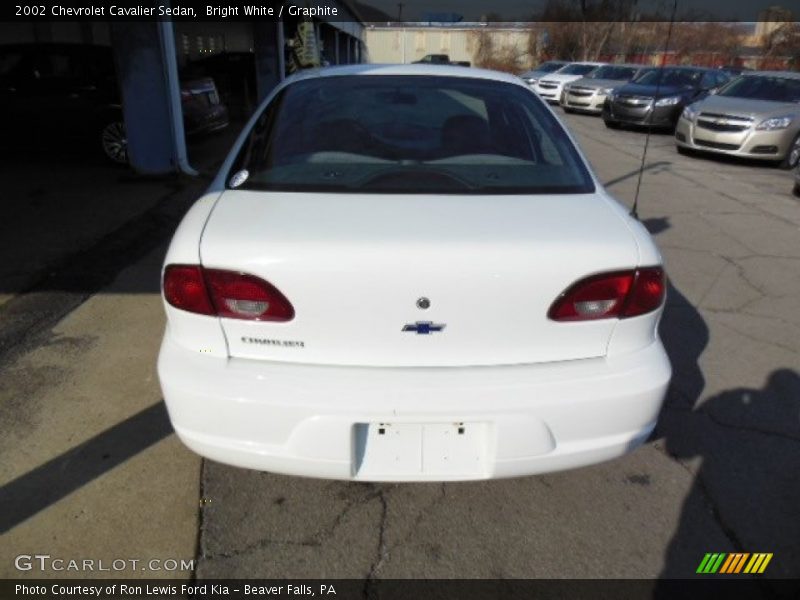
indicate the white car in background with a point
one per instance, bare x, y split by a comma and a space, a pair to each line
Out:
551, 86
410, 273
542, 70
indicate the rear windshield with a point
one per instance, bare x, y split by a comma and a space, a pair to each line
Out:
668, 77
615, 73
409, 134
776, 89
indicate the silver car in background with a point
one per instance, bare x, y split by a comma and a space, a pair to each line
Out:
756, 116
588, 94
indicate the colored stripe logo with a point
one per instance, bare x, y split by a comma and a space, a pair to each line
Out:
734, 563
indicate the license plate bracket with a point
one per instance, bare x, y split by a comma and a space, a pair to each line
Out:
420, 450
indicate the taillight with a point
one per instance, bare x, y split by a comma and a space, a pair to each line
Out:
242, 296
225, 294
648, 293
619, 295
185, 288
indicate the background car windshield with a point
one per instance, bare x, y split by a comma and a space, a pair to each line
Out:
549, 67
776, 89
410, 134
611, 72
9, 61
670, 77
577, 69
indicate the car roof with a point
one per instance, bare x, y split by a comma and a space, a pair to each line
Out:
783, 74
362, 70
629, 65
687, 68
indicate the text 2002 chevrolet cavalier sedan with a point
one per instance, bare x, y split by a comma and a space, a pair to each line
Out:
410, 273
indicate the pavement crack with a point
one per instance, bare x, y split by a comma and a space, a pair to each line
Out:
726, 529
756, 339
316, 540
258, 545
199, 552
423, 511
721, 423
383, 551
748, 428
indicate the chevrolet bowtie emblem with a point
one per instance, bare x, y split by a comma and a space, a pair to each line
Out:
424, 327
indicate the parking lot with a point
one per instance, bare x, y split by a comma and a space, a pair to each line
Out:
90, 466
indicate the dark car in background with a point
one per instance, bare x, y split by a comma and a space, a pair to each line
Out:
797, 182
734, 70
588, 95
234, 74
535, 74
657, 97
441, 59
53, 94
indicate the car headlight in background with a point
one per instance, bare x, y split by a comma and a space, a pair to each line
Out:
531, 80
775, 123
689, 113
606, 92
668, 101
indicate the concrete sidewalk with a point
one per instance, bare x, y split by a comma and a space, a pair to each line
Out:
89, 465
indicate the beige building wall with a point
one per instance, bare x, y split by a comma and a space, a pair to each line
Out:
408, 44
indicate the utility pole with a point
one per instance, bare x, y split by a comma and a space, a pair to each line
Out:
400, 11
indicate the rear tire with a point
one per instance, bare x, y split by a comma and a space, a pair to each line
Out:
611, 124
114, 141
796, 190
792, 158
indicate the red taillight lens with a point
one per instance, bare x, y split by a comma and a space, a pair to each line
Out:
242, 296
648, 293
185, 288
611, 295
225, 294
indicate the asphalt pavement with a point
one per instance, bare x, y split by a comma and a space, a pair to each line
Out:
90, 466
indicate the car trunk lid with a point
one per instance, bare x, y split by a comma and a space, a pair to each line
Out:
355, 267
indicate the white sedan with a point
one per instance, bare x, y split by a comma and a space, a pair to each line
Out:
551, 86
410, 273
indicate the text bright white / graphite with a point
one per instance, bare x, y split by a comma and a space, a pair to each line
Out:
270, 11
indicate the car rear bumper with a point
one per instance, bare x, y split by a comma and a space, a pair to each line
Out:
451, 423
213, 119
753, 144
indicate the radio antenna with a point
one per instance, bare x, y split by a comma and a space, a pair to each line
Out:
635, 208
